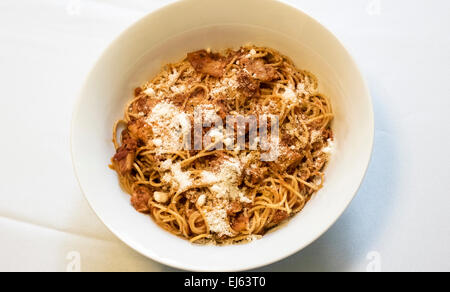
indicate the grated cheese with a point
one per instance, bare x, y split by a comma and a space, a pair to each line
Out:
150, 92
315, 136
201, 200
330, 148
253, 237
301, 90
223, 85
208, 177
180, 180
173, 77
166, 164
251, 53
157, 142
217, 221
170, 127
290, 97
178, 89
227, 185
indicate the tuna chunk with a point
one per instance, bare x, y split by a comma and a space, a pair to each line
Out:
288, 159
143, 105
235, 207
240, 223
208, 63
255, 175
279, 216
259, 70
248, 85
125, 154
140, 130
140, 199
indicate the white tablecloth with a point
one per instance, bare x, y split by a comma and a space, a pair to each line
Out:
399, 220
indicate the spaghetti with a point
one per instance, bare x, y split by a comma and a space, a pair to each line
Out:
229, 195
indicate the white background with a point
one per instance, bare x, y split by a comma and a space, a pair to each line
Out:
400, 219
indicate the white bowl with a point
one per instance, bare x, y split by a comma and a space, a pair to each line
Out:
166, 35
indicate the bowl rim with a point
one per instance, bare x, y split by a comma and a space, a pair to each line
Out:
246, 267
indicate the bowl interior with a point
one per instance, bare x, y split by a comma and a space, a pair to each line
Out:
163, 37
